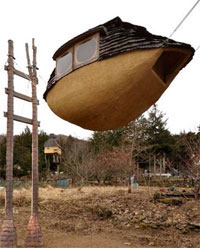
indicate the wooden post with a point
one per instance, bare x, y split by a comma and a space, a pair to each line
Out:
34, 136
34, 235
164, 164
130, 169
149, 164
160, 166
8, 236
154, 164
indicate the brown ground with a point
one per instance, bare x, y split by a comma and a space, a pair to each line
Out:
109, 217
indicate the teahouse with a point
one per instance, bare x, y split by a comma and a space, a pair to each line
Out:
52, 153
111, 74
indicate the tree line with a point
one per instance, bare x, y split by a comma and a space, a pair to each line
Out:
143, 146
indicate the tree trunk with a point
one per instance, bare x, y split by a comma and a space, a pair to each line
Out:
154, 164
196, 188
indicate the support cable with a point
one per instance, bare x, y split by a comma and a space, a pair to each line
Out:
2, 68
21, 70
27, 86
197, 48
44, 81
185, 17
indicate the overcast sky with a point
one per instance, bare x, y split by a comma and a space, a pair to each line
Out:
53, 23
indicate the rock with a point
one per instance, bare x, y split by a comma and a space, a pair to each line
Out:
146, 221
180, 226
195, 226
127, 243
151, 243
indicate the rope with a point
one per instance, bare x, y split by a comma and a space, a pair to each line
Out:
27, 86
185, 17
2, 68
28, 82
44, 81
197, 47
21, 70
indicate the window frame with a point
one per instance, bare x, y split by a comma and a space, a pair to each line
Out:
60, 75
78, 64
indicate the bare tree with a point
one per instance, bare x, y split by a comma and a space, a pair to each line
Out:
77, 161
190, 160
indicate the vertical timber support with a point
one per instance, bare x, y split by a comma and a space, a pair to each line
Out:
154, 164
34, 235
164, 163
8, 236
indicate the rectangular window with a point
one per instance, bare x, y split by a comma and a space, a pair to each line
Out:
64, 64
86, 51
82, 53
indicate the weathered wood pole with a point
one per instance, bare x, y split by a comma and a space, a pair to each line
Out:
34, 235
8, 236
154, 165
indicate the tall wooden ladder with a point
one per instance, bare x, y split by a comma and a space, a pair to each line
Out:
8, 235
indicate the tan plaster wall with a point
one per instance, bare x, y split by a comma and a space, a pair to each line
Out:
110, 93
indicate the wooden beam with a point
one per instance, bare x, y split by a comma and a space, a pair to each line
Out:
21, 74
18, 73
21, 96
21, 119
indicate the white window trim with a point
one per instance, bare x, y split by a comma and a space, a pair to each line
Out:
75, 64
58, 76
78, 64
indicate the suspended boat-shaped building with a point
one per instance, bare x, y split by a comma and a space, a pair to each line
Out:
111, 74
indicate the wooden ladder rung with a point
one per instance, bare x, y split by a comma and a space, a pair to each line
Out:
21, 74
21, 119
21, 96
18, 73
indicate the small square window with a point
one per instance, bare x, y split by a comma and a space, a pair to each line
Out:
86, 51
64, 64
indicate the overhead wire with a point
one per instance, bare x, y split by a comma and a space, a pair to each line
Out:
197, 48
184, 18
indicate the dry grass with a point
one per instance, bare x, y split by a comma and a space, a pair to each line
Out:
22, 196
50, 192
110, 211
88, 191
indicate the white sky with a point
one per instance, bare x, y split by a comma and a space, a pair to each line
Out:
52, 23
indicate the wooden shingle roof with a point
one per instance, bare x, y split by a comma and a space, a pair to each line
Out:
118, 37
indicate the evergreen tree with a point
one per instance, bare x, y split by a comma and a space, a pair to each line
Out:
22, 154
42, 138
159, 138
22, 164
105, 140
2, 156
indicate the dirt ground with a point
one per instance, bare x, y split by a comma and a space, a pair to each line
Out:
108, 217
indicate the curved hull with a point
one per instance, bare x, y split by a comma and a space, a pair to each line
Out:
108, 94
